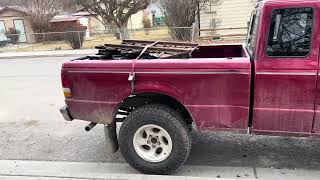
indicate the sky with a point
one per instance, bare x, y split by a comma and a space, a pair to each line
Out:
155, 6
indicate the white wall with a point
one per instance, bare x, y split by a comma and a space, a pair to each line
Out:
135, 21
84, 21
230, 14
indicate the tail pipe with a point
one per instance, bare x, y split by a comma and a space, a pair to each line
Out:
110, 134
90, 126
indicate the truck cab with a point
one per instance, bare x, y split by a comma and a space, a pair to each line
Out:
283, 44
159, 90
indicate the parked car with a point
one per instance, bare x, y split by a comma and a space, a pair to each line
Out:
158, 90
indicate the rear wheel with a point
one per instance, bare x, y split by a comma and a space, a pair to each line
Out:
154, 139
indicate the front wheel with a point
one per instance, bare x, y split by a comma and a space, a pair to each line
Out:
154, 139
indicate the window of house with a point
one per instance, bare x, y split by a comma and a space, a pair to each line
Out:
19, 26
3, 36
290, 32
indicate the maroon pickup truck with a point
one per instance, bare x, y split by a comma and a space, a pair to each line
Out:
161, 91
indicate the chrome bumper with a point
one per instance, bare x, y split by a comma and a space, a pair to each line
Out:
65, 113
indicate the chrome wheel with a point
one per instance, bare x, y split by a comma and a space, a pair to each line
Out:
152, 143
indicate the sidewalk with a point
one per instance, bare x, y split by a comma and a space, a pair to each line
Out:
58, 53
79, 170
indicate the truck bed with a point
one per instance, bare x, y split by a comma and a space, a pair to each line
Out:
219, 51
133, 49
210, 81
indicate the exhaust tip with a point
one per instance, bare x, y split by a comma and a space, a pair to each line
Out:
90, 126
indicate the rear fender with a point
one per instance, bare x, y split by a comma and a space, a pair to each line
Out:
159, 88
150, 87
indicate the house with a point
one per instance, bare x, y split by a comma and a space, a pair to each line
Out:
135, 21
61, 23
15, 17
225, 15
93, 22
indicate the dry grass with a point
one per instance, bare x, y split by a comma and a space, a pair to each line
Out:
154, 35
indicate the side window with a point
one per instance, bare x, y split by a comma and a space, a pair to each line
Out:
290, 32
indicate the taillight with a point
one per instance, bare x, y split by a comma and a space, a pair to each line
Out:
66, 85
67, 92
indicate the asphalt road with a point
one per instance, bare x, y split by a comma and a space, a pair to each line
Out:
31, 128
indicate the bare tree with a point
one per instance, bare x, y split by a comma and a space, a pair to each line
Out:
40, 13
115, 12
183, 13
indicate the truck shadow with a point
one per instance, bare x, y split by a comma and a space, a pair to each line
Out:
226, 149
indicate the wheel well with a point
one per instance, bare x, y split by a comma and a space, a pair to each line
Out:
133, 102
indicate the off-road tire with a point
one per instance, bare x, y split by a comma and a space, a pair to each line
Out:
167, 119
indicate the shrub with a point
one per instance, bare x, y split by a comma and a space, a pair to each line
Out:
3, 44
181, 34
75, 36
146, 23
13, 36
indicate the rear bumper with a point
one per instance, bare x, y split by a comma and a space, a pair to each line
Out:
65, 113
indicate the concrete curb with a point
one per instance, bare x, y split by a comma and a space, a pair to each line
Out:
29, 170
79, 170
113, 177
62, 53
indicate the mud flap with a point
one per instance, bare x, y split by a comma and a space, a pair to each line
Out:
111, 138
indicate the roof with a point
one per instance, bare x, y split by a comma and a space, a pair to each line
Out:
83, 13
64, 18
16, 8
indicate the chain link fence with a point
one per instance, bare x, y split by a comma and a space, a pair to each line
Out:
89, 39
